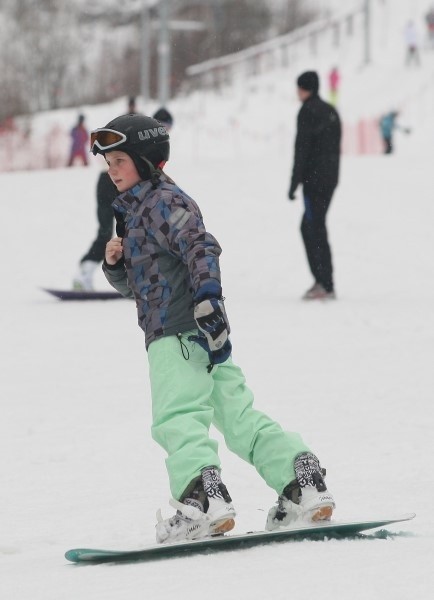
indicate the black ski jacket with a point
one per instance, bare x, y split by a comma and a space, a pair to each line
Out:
317, 147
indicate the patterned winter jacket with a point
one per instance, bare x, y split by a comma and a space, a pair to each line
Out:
168, 257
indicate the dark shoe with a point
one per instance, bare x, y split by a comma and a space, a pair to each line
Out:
317, 292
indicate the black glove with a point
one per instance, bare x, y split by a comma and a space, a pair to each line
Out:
291, 193
213, 325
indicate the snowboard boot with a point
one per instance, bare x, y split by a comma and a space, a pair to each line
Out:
84, 278
305, 498
205, 508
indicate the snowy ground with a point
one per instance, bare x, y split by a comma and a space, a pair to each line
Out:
354, 376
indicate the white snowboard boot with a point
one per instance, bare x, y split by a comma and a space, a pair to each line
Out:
84, 278
304, 499
205, 509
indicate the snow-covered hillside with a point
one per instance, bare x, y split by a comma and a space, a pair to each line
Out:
354, 376
256, 113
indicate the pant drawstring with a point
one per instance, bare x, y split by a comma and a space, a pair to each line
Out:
186, 353
184, 349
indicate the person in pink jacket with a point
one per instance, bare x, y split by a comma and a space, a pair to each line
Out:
334, 80
80, 137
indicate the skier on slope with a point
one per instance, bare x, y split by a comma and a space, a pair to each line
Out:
80, 137
388, 124
168, 262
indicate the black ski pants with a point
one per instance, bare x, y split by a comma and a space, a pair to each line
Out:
105, 194
314, 233
388, 146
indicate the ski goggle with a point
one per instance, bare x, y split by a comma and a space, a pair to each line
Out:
105, 139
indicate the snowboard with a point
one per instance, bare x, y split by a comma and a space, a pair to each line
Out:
315, 532
83, 294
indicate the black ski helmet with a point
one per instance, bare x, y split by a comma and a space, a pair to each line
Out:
147, 142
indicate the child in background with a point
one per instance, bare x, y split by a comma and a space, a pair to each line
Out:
388, 125
166, 260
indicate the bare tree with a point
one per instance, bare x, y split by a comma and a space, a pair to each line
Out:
59, 53
41, 43
292, 14
229, 26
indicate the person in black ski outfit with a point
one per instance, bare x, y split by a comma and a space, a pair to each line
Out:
316, 168
106, 192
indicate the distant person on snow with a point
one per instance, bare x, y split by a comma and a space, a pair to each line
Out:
105, 194
164, 116
316, 167
166, 260
80, 138
429, 19
412, 44
334, 81
388, 124
132, 105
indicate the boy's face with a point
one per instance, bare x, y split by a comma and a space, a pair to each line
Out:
122, 170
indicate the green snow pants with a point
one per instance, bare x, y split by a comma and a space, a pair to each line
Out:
186, 400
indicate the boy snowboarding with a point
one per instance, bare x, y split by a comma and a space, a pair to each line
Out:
166, 260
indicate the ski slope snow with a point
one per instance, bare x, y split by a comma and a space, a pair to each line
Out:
354, 376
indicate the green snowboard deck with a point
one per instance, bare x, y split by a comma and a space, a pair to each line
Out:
321, 531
